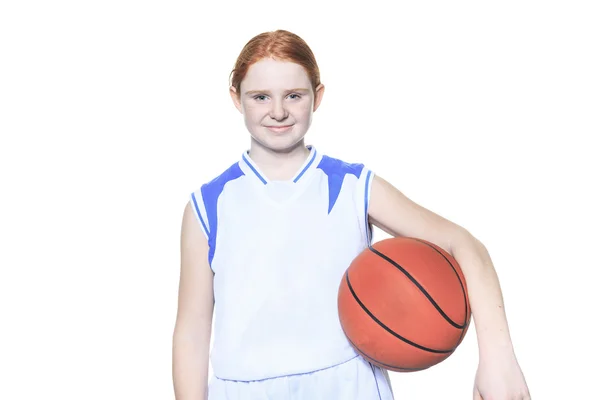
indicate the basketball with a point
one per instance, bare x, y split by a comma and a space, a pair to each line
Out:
403, 304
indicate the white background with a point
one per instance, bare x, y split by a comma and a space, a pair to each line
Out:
112, 112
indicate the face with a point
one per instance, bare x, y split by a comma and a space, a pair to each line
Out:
277, 101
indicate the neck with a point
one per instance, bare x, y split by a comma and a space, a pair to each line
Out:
279, 164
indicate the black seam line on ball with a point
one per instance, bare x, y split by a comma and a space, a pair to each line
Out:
457, 277
418, 346
418, 285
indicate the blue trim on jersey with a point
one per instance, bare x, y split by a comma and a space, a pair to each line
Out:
307, 166
336, 170
199, 214
367, 227
210, 193
254, 170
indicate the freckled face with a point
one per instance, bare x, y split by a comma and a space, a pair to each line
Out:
277, 101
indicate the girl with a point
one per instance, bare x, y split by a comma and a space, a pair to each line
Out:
267, 241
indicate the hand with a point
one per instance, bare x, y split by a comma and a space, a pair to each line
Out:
500, 379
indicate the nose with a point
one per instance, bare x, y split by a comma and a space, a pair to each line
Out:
278, 111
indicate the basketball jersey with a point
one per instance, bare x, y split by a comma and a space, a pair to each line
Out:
279, 250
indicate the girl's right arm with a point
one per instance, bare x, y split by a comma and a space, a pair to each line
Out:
191, 336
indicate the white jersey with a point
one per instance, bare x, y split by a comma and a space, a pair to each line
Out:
279, 250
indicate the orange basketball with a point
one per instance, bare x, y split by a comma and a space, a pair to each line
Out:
403, 304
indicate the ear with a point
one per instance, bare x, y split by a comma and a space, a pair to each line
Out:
236, 98
319, 91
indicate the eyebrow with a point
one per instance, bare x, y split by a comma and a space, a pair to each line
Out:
251, 92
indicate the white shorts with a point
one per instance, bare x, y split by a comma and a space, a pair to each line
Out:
356, 379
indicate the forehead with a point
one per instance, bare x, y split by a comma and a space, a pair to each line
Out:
273, 74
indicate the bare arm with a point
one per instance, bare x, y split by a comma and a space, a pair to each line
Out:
191, 336
397, 215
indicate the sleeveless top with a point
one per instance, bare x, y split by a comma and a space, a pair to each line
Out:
278, 251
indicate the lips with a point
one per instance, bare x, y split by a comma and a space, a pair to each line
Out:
280, 129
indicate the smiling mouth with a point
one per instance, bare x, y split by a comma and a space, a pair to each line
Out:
279, 129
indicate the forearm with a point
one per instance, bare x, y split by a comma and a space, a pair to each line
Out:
485, 297
190, 367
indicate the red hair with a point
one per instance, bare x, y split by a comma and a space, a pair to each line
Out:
280, 45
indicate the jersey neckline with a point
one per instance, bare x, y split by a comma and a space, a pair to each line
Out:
309, 165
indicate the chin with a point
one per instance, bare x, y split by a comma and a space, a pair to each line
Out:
280, 143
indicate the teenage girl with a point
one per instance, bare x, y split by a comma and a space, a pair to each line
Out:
264, 246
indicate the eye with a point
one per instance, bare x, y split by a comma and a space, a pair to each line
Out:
297, 96
260, 97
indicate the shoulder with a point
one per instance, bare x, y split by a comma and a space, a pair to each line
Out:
231, 173
336, 166
212, 188
395, 213
203, 200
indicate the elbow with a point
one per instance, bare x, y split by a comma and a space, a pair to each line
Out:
469, 251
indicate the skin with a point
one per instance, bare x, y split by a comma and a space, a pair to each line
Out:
277, 93
191, 336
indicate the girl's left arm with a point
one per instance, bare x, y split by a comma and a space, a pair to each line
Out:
499, 374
